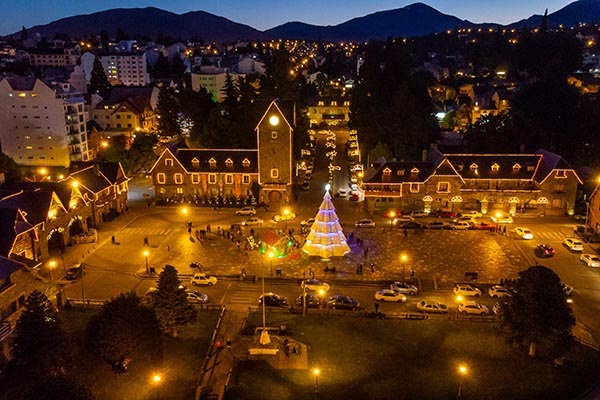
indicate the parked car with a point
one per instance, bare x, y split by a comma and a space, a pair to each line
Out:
365, 223
305, 185
284, 217
419, 214
411, 225
468, 220
573, 244
307, 222
354, 197
252, 221
404, 219
445, 214
203, 279
404, 287
312, 301
471, 214
389, 295
314, 285
246, 211
544, 250
195, 296
75, 272
461, 225
499, 291
342, 193
339, 301
591, 260
472, 307
524, 233
501, 218
483, 226
438, 225
426, 306
464, 289
272, 300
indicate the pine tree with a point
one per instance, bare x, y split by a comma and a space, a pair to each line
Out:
168, 110
24, 34
99, 83
170, 302
544, 23
41, 346
230, 91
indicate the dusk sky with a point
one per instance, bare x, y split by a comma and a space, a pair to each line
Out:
265, 14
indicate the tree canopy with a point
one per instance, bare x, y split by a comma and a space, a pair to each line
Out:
170, 302
537, 314
98, 81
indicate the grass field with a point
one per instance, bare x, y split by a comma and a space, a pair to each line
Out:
362, 358
183, 357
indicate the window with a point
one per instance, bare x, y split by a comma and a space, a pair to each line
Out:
516, 168
245, 179
414, 171
229, 179
414, 188
387, 172
212, 178
273, 135
179, 190
400, 172
495, 167
559, 188
161, 178
246, 163
229, 162
195, 162
178, 178
561, 173
169, 162
274, 173
195, 178
443, 187
212, 162
530, 168
474, 167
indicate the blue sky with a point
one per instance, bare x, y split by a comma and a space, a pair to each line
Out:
265, 14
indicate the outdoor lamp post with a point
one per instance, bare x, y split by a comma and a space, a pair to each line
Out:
264, 336
286, 213
51, 266
184, 211
462, 371
156, 380
146, 253
403, 260
316, 372
271, 255
392, 216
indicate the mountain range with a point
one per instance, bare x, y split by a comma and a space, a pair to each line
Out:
417, 19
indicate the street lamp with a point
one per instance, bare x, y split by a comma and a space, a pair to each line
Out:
462, 371
286, 213
403, 260
156, 380
271, 255
51, 266
392, 216
146, 253
264, 336
316, 372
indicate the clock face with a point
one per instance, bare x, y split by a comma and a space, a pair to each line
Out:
274, 120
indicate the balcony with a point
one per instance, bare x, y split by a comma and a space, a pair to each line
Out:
5, 330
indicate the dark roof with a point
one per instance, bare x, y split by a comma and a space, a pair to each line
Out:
12, 225
33, 204
62, 189
400, 171
7, 267
119, 94
109, 169
186, 157
549, 161
484, 162
21, 83
91, 179
286, 107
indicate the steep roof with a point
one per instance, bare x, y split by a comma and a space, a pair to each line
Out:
8, 266
400, 171
91, 179
62, 189
495, 166
198, 160
13, 223
113, 171
119, 94
550, 161
34, 205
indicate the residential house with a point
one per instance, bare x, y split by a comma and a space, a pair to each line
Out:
541, 182
332, 110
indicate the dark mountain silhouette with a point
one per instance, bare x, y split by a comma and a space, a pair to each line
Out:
413, 20
150, 22
416, 19
587, 11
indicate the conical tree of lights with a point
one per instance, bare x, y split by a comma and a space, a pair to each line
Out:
326, 238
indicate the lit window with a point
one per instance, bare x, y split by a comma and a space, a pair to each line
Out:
400, 172
414, 188
178, 178
273, 135
229, 162
387, 172
212, 178
195, 178
414, 171
195, 162
561, 173
212, 162
179, 190
245, 179
169, 162
443, 187
474, 167
246, 163
274, 173
161, 178
229, 179
530, 168
495, 167
516, 168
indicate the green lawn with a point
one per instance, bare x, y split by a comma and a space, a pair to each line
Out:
183, 357
363, 358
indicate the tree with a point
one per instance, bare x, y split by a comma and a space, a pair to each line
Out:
168, 111
11, 170
170, 302
58, 388
98, 81
41, 346
124, 330
537, 313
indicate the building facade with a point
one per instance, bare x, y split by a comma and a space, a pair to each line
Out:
129, 69
541, 182
332, 110
43, 124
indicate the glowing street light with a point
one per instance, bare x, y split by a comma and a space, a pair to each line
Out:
146, 253
156, 380
271, 255
462, 371
403, 260
316, 372
286, 215
392, 216
51, 266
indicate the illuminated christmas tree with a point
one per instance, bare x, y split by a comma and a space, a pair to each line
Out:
326, 238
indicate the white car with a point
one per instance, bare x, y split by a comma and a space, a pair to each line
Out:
284, 217
389, 295
314, 285
246, 211
404, 218
307, 222
573, 244
431, 307
203, 279
461, 225
342, 193
252, 221
419, 214
471, 214
365, 223
500, 218
404, 287
524, 233
472, 307
591, 260
464, 289
195, 296
499, 291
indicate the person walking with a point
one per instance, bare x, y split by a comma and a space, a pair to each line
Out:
405, 232
113, 239
376, 305
145, 242
372, 267
366, 252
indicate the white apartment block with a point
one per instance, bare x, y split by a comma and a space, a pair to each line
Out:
127, 69
42, 124
53, 57
213, 80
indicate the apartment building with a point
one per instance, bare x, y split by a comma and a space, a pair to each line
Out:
127, 69
53, 57
213, 80
44, 124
